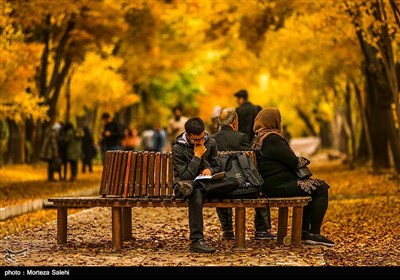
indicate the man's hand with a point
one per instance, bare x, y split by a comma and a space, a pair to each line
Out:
206, 171
199, 150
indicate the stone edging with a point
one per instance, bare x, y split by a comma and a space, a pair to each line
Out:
37, 204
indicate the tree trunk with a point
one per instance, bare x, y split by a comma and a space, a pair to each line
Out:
382, 92
68, 97
325, 133
16, 143
365, 147
306, 120
349, 127
379, 138
32, 137
389, 83
50, 90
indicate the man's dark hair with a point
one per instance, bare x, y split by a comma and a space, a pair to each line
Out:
194, 126
177, 107
105, 116
242, 93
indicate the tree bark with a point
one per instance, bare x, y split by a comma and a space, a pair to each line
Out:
16, 142
349, 126
382, 91
365, 147
306, 120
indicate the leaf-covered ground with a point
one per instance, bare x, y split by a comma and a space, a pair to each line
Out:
20, 183
363, 219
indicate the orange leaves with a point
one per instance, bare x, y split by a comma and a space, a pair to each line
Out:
17, 72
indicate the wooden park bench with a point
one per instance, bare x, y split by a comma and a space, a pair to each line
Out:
132, 179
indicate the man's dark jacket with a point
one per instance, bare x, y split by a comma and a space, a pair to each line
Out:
186, 165
229, 140
247, 112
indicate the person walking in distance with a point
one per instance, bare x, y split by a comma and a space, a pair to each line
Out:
111, 135
176, 125
49, 151
228, 138
89, 150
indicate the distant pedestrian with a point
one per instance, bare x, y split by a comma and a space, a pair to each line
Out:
73, 138
111, 135
159, 138
130, 139
176, 124
147, 136
49, 151
89, 150
215, 126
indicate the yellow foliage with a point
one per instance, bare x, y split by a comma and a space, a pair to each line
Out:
18, 62
96, 84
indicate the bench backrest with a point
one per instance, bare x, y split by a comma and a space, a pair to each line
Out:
140, 173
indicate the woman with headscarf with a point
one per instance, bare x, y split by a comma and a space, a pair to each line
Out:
277, 162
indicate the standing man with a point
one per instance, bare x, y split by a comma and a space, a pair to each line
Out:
194, 153
246, 112
111, 135
176, 125
229, 139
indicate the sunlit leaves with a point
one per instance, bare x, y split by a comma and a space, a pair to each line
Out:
96, 84
179, 49
18, 63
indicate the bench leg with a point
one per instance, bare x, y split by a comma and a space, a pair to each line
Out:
240, 228
116, 228
282, 224
127, 223
62, 220
297, 220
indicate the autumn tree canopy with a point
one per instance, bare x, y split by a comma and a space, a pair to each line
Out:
331, 67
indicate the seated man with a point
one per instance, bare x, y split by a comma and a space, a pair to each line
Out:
230, 139
194, 153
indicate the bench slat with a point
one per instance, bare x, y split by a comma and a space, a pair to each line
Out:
143, 185
150, 175
127, 173
164, 166
138, 176
114, 171
132, 175
114, 174
157, 174
121, 179
110, 172
120, 171
104, 174
170, 175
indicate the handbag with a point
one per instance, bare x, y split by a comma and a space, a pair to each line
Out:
303, 172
